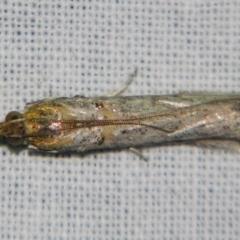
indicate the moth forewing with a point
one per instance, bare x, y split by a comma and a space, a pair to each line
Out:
81, 124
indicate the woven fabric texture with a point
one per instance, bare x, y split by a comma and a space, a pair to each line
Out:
54, 48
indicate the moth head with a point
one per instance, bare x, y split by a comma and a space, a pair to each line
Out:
13, 128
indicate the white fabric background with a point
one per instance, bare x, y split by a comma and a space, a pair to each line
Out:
64, 48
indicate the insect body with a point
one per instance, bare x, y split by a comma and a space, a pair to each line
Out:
82, 124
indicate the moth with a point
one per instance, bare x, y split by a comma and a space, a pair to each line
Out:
83, 124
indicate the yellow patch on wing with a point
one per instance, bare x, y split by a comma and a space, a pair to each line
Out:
52, 143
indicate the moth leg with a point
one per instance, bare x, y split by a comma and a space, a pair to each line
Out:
136, 151
124, 86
